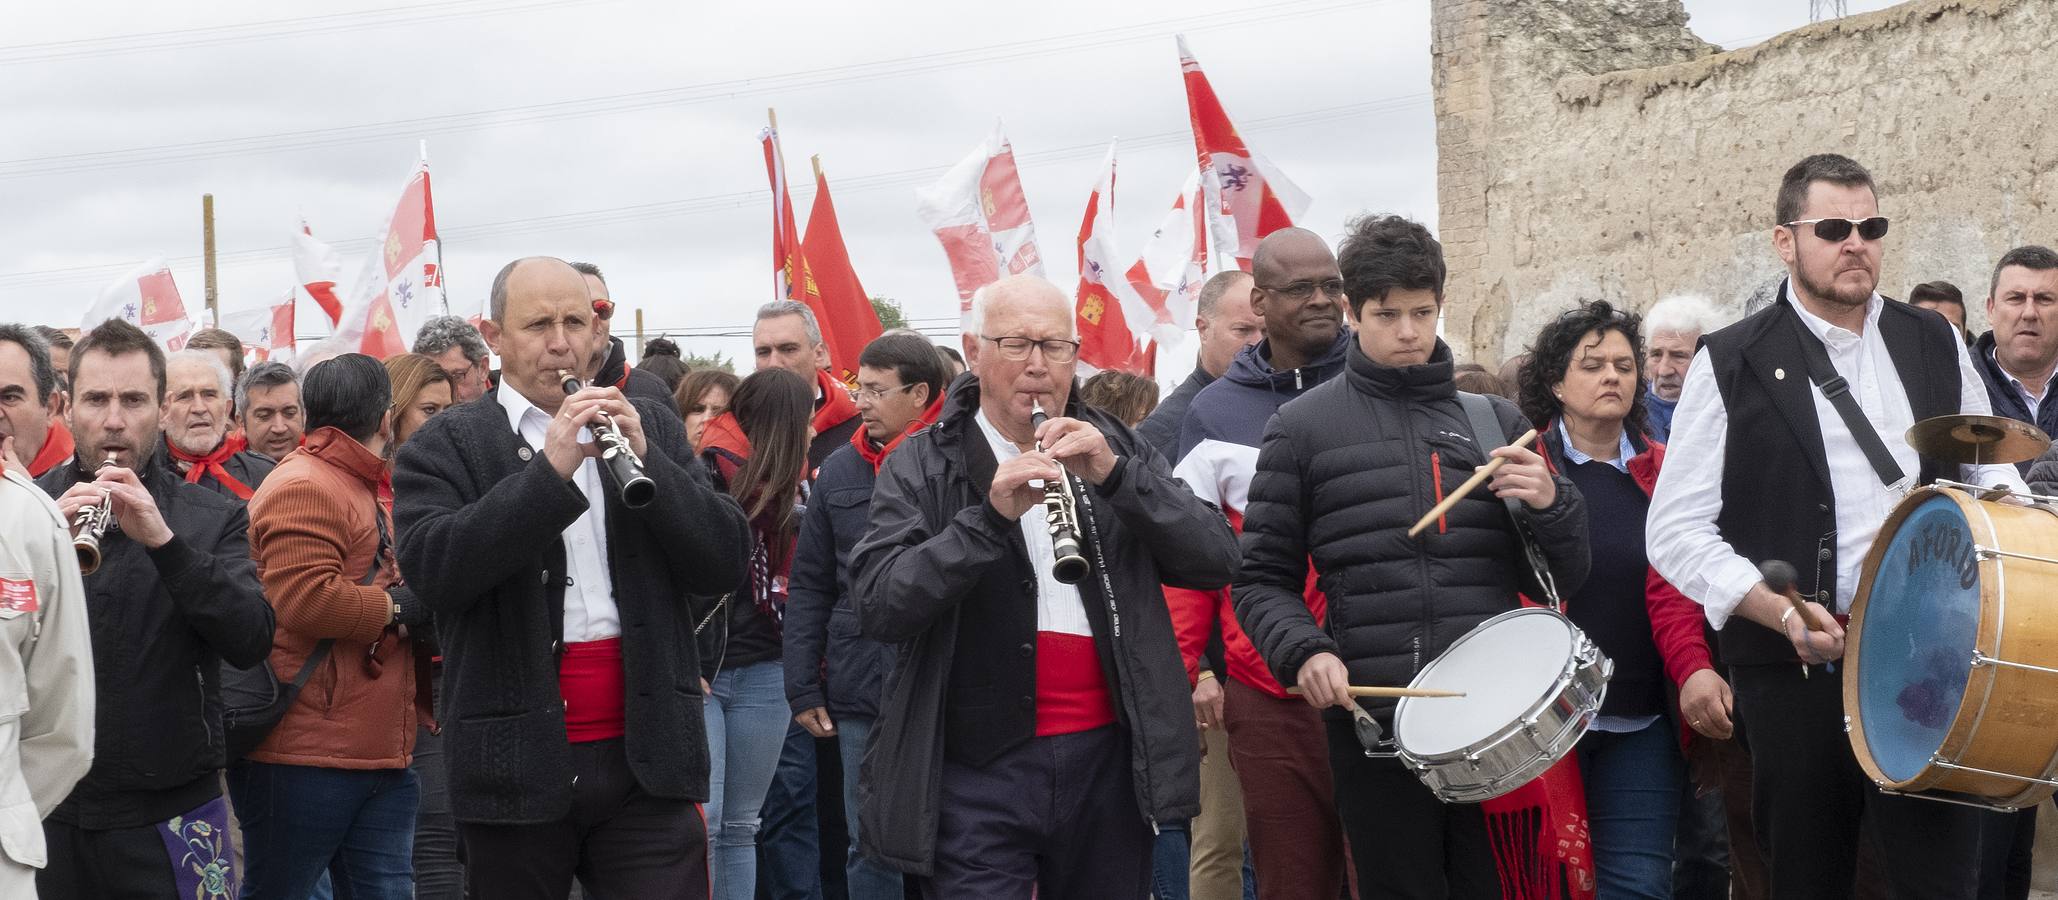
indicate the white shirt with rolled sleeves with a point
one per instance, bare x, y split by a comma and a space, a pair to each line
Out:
46, 676
590, 611
1682, 540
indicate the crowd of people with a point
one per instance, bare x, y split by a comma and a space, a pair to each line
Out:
428, 627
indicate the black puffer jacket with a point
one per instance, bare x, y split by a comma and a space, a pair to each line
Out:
1345, 470
946, 579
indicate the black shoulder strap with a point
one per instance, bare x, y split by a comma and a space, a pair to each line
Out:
1487, 433
1838, 391
322, 647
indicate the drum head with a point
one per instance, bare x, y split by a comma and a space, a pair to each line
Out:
1505, 667
1919, 629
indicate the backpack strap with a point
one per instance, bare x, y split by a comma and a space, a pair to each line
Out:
1488, 434
322, 647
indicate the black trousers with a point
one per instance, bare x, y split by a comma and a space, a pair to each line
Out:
109, 864
620, 842
1809, 799
1405, 843
1054, 819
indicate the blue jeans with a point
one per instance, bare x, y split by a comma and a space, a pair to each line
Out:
300, 822
790, 844
746, 723
1632, 804
1171, 862
866, 878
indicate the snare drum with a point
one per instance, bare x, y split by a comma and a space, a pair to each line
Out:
1951, 689
1532, 681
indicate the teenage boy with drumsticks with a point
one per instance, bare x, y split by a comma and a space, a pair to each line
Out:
1344, 471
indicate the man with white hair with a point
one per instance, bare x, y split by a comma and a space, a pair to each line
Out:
1009, 680
197, 438
1672, 329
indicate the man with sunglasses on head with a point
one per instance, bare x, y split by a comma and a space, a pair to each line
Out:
1274, 740
610, 366
1769, 461
1009, 681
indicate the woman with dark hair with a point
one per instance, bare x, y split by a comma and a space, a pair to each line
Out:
1583, 388
665, 366
702, 396
757, 451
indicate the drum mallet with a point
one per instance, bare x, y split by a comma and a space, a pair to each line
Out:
1779, 575
1478, 478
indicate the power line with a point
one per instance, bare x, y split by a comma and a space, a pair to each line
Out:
693, 206
684, 95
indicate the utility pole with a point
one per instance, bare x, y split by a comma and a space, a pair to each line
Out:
639, 333
214, 315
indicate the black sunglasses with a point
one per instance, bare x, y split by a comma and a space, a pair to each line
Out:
1836, 230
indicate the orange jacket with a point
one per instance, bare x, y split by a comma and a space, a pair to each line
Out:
314, 535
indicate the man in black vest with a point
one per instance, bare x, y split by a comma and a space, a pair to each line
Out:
571, 689
1764, 467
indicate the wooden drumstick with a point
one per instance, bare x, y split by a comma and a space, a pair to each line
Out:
1360, 690
1478, 478
1779, 575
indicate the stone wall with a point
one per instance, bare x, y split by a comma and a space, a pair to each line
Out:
1598, 149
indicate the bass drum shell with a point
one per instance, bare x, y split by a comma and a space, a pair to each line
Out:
1915, 705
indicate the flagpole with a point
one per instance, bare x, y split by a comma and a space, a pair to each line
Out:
778, 154
639, 332
214, 316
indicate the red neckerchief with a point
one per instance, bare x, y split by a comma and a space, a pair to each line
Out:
211, 464
57, 447
837, 407
878, 457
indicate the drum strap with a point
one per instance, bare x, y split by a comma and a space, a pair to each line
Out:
1838, 392
1487, 433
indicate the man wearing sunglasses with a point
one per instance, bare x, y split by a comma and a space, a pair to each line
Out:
610, 366
1788, 444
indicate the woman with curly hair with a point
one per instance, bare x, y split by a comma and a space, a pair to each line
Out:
1583, 387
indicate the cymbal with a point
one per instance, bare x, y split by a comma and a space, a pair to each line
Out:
1977, 440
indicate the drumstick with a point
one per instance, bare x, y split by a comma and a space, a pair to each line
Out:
1478, 478
1360, 690
1779, 575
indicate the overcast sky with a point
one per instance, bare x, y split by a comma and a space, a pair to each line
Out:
624, 131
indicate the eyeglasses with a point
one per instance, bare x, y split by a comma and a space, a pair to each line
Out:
1302, 290
872, 395
1017, 348
1836, 230
603, 308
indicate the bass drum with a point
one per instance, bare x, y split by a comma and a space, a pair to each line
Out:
1953, 632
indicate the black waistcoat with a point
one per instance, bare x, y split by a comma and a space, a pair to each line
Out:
1776, 497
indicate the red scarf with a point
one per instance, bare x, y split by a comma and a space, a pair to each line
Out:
837, 407
211, 464
57, 447
878, 457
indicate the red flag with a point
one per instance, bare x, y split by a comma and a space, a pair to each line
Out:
1246, 198
792, 279
843, 298
1105, 338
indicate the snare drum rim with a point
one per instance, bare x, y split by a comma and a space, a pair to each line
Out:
1978, 687
1557, 688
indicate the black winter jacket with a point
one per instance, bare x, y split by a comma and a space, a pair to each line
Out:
481, 517
1345, 470
947, 579
828, 663
163, 621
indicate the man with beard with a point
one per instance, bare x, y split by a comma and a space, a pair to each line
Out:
456, 346
268, 404
1769, 461
30, 402
197, 428
174, 599
1674, 327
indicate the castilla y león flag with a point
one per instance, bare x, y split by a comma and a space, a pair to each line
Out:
147, 298
401, 285
266, 331
980, 215
318, 269
1246, 198
1106, 300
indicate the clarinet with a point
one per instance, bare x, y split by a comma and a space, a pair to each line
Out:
1070, 566
618, 462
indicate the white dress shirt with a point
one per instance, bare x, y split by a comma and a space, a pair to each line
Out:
1058, 605
1682, 540
590, 613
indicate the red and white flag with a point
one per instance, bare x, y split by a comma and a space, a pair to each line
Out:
1174, 264
1246, 198
266, 331
401, 285
318, 268
979, 213
147, 297
842, 297
1106, 301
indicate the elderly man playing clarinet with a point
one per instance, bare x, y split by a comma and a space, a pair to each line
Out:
1010, 678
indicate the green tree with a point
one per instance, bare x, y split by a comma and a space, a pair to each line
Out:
890, 316
716, 360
